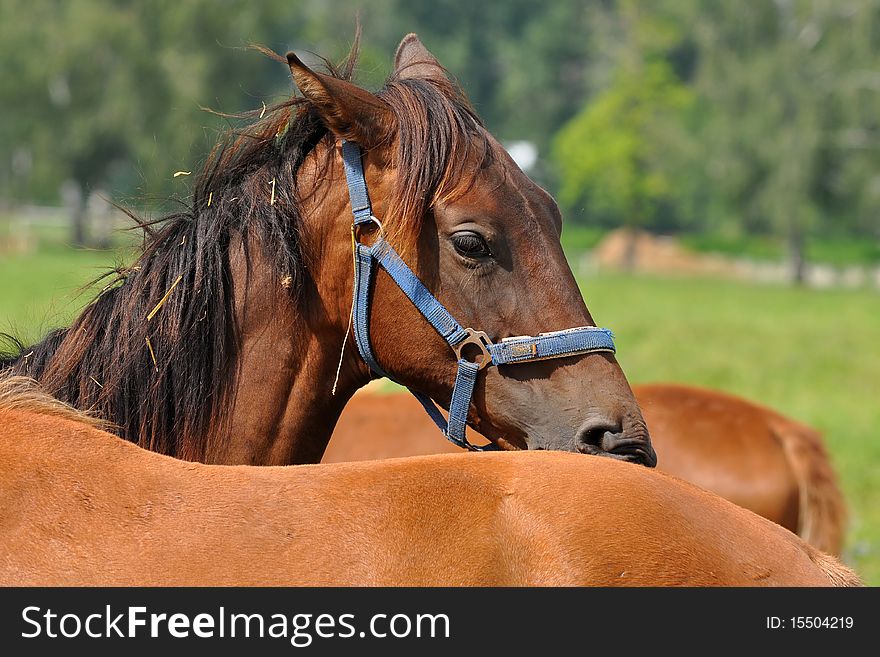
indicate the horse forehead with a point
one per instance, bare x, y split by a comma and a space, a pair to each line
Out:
502, 190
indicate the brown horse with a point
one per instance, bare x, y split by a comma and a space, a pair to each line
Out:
227, 341
78, 506
747, 453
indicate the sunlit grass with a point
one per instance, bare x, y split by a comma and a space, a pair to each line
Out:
43, 290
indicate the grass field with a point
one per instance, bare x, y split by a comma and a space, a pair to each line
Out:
814, 355
43, 290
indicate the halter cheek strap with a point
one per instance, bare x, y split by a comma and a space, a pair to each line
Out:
521, 349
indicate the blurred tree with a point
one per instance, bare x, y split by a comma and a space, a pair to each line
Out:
734, 118
107, 94
611, 157
763, 73
776, 131
789, 144
523, 64
608, 156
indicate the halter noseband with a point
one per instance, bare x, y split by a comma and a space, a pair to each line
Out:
521, 349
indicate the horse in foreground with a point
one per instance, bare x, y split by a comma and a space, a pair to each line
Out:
347, 235
79, 506
747, 453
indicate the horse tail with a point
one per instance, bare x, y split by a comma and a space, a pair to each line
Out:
822, 512
834, 570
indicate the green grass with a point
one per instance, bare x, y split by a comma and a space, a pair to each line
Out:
43, 290
47, 287
814, 355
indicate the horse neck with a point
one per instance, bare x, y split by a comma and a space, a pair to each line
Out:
284, 408
259, 388
285, 403
296, 368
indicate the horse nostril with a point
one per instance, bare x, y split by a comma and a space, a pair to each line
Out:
592, 435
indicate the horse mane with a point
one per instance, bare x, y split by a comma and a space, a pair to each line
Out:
156, 352
22, 393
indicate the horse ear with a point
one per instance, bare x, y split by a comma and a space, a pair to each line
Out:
347, 110
413, 60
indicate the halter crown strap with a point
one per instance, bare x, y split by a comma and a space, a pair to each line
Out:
357, 183
521, 349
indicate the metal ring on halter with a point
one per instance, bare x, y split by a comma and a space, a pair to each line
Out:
481, 341
374, 220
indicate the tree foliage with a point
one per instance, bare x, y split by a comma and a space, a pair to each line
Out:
612, 152
679, 115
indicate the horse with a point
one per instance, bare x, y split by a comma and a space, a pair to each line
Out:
745, 452
80, 506
228, 340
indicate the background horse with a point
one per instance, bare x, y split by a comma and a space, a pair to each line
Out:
78, 506
748, 454
227, 340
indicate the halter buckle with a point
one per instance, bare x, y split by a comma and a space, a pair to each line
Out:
481, 341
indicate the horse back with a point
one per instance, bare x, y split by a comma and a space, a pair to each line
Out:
80, 506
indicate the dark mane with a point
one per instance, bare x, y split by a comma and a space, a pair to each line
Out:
156, 352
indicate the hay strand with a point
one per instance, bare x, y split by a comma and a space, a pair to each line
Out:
162, 301
152, 354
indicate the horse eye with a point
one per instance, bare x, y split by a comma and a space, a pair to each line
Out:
470, 245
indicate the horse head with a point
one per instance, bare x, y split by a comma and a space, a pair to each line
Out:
482, 238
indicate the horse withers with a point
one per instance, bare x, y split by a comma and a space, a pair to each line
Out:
230, 340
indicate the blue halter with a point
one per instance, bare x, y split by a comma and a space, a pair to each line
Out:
522, 349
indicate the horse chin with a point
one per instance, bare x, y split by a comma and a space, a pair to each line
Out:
639, 457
